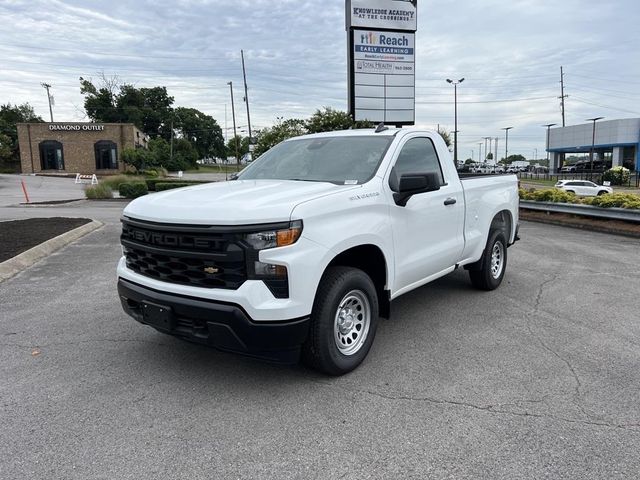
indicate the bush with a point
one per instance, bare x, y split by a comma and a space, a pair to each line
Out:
133, 189
98, 192
153, 182
150, 173
548, 195
616, 175
115, 181
620, 200
170, 185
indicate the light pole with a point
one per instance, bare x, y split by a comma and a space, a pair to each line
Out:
47, 87
486, 152
548, 125
235, 138
455, 109
506, 143
593, 142
480, 152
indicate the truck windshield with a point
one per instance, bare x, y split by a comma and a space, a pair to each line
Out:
342, 160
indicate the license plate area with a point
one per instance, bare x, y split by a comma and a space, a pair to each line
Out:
159, 316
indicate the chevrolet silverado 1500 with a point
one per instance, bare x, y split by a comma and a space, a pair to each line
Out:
301, 255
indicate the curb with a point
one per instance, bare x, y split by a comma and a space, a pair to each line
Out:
611, 230
20, 262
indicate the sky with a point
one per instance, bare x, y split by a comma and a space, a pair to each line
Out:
508, 52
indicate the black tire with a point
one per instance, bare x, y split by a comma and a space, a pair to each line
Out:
602, 192
321, 350
483, 277
571, 191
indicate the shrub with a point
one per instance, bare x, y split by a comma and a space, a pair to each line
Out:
616, 175
153, 182
169, 185
115, 181
150, 173
133, 189
99, 191
620, 200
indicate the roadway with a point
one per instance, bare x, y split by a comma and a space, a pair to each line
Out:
537, 379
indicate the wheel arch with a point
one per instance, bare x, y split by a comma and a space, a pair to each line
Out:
370, 259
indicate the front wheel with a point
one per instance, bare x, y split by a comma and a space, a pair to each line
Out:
491, 267
343, 321
602, 192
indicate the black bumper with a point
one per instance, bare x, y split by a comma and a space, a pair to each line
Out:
223, 326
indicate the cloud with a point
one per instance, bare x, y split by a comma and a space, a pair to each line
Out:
510, 54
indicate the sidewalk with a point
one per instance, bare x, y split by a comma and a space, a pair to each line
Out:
39, 189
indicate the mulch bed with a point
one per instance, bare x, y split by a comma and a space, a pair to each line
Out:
616, 227
17, 236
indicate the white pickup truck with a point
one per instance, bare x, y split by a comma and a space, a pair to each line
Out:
302, 254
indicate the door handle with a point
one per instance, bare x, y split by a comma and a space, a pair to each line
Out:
450, 201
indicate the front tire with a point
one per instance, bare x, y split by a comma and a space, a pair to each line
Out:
343, 321
491, 268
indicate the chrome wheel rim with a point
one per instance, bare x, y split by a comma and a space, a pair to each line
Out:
497, 260
351, 322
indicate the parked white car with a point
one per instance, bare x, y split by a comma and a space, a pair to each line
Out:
583, 188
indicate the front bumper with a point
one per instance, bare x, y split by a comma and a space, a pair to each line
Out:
225, 326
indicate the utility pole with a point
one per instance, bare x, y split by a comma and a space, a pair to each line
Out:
47, 87
235, 138
486, 152
171, 147
246, 96
593, 142
548, 125
506, 143
455, 131
480, 152
562, 95
495, 155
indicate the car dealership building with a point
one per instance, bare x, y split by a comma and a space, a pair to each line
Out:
619, 139
76, 147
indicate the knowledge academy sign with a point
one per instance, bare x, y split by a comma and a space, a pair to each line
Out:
381, 36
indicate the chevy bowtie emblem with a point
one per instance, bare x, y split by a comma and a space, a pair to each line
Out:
211, 270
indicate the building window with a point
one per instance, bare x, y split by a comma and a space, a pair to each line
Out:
51, 155
106, 155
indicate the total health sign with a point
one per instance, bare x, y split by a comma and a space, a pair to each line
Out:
382, 61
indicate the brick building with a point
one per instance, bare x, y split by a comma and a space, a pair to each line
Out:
76, 147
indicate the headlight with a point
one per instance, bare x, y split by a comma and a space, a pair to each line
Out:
275, 238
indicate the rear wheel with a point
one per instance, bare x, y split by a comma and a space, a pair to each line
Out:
343, 321
490, 270
602, 192
571, 191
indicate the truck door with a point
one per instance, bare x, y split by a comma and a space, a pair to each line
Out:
427, 232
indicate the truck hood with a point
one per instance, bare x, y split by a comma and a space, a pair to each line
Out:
230, 203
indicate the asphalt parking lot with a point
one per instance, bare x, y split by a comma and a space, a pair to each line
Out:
539, 379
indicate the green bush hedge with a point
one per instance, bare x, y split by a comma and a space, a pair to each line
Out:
609, 200
160, 186
133, 189
152, 182
616, 175
98, 192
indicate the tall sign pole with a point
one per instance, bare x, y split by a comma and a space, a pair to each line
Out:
381, 60
246, 96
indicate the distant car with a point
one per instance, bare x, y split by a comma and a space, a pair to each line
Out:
568, 169
583, 188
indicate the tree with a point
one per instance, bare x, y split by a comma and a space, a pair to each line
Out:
514, 158
10, 116
328, 120
269, 137
201, 130
243, 146
149, 109
446, 136
489, 156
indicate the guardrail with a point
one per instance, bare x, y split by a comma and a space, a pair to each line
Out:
624, 214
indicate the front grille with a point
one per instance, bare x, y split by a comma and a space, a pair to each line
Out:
174, 268
197, 256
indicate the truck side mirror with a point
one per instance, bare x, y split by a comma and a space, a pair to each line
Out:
413, 183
